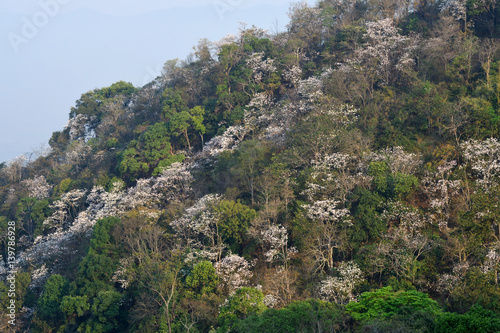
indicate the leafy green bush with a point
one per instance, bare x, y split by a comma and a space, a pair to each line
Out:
202, 280
385, 303
477, 320
298, 317
245, 302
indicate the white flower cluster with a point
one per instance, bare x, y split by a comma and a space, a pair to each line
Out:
102, 204
173, 184
197, 219
276, 134
270, 119
344, 114
77, 153
484, 158
234, 272
398, 160
271, 301
79, 126
45, 247
293, 75
440, 191
258, 112
456, 8
66, 208
404, 243
259, 66
198, 228
260, 101
338, 161
39, 276
492, 260
37, 187
327, 212
276, 237
13, 170
449, 281
330, 233
226, 40
388, 52
335, 175
340, 289
408, 220
230, 140
120, 275
311, 88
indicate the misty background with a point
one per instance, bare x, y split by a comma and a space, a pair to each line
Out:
52, 51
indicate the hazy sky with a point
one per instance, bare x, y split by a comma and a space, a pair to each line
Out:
52, 51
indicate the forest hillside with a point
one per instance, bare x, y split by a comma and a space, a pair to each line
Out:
341, 176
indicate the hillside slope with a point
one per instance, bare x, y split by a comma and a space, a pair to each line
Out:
342, 176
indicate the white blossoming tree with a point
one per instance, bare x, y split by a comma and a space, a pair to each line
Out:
387, 55
234, 272
282, 276
456, 8
199, 229
340, 289
37, 187
174, 183
335, 175
484, 159
66, 209
440, 189
329, 232
405, 243
13, 172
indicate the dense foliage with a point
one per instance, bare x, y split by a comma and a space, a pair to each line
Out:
341, 176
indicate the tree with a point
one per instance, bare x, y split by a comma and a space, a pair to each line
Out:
475, 320
245, 302
282, 278
198, 227
234, 220
334, 175
37, 187
90, 111
93, 303
66, 209
483, 156
406, 243
179, 124
197, 119
392, 171
306, 27
201, 280
149, 154
275, 187
31, 214
234, 273
153, 268
368, 225
341, 289
49, 303
386, 303
251, 158
21, 298
329, 232
387, 56
298, 317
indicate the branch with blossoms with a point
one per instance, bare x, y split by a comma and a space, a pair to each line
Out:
340, 289
484, 160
